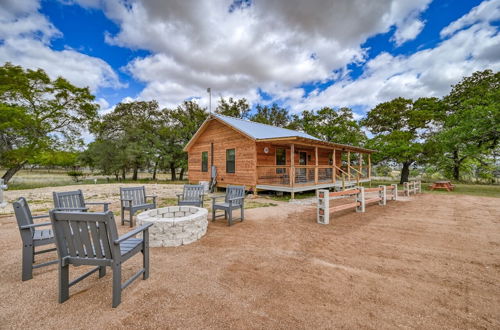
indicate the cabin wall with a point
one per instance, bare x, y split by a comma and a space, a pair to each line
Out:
223, 138
269, 158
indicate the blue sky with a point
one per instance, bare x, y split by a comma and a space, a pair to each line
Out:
300, 55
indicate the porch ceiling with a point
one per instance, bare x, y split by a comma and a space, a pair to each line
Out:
316, 143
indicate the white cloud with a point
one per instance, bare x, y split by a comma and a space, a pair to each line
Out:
486, 11
272, 45
25, 37
409, 31
426, 73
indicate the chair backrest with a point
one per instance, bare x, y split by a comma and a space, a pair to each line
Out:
23, 216
68, 199
192, 192
136, 194
235, 192
85, 237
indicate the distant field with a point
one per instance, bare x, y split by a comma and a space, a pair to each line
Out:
460, 188
27, 179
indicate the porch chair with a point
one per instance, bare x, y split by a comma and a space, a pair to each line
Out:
88, 238
233, 200
32, 237
133, 199
192, 195
73, 200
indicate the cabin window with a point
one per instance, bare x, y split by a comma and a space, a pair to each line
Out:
280, 160
302, 158
280, 156
330, 158
204, 161
230, 161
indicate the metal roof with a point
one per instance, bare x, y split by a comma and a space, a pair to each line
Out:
262, 131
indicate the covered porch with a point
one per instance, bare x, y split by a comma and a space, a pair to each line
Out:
314, 165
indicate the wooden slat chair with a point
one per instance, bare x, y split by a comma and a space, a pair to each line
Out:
88, 238
32, 237
192, 195
233, 200
74, 200
134, 199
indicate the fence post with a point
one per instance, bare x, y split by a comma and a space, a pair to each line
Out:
419, 186
394, 192
323, 213
406, 189
2, 187
382, 193
360, 198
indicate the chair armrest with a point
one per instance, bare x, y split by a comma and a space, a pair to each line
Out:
98, 203
215, 197
132, 233
153, 197
40, 216
33, 225
72, 209
236, 199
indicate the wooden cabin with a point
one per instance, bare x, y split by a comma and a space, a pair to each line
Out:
264, 157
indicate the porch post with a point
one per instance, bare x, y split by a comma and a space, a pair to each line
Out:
369, 166
349, 165
292, 168
334, 168
360, 165
316, 168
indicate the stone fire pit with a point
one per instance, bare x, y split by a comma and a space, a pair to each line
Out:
174, 225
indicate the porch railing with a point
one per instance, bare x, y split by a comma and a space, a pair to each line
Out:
309, 174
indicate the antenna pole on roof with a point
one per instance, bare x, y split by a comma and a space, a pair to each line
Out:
209, 91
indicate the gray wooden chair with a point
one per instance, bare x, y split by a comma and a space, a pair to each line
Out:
134, 199
192, 194
233, 200
32, 237
88, 238
74, 200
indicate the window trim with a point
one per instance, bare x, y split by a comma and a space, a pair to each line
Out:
233, 161
204, 169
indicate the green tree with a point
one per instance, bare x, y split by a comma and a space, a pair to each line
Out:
469, 123
331, 125
176, 127
36, 113
274, 115
233, 108
107, 156
401, 128
131, 128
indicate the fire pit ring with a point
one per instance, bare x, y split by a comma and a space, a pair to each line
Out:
174, 225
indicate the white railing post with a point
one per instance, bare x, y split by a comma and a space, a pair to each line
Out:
394, 192
360, 198
382, 193
323, 209
406, 188
2, 187
414, 187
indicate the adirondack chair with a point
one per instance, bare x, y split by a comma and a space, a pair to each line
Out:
73, 200
32, 237
192, 195
233, 200
134, 199
88, 238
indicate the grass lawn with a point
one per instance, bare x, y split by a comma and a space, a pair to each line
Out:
460, 188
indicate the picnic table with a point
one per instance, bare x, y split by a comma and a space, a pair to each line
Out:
442, 185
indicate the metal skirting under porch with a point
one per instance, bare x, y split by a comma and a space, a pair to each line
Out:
300, 188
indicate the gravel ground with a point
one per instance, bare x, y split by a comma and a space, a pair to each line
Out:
431, 262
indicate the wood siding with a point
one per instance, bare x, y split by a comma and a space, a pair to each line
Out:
223, 137
269, 159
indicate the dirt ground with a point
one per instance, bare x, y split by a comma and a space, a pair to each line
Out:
430, 262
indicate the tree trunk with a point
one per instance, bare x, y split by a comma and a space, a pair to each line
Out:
181, 175
154, 170
456, 166
173, 176
136, 171
123, 173
11, 171
405, 172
